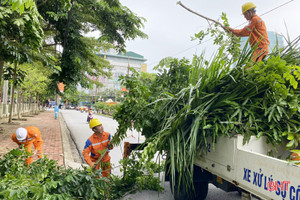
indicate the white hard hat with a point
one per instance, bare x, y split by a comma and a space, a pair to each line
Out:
21, 134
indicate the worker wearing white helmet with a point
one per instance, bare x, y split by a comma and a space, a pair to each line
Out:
28, 136
256, 30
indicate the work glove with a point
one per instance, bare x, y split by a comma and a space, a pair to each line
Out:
93, 164
110, 146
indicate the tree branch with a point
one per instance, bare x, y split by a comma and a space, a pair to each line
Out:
68, 25
208, 19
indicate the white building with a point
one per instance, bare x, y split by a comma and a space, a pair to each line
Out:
121, 64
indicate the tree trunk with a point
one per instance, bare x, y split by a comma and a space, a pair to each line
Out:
12, 95
34, 107
38, 102
19, 103
29, 103
5, 91
57, 100
23, 103
1, 70
68, 25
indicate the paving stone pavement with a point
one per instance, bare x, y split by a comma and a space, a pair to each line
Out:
50, 130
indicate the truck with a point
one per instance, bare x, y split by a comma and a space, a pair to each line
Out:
256, 168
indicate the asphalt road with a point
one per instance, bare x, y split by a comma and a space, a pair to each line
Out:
79, 128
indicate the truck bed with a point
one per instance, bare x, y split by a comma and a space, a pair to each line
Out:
250, 167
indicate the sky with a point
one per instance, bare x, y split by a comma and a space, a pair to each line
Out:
169, 26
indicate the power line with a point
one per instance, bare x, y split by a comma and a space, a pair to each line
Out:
270, 11
180, 52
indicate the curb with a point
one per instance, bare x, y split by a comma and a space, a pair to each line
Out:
72, 158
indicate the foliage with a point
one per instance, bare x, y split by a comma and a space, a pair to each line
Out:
106, 108
8, 74
136, 176
72, 95
20, 5
19, 34
114, 107
101, 106
220, 37
27, 26
290, 53
37, 80
67, 26
111, 93
164, 63
178, 112
145, 76
43, 179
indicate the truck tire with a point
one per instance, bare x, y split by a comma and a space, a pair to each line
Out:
200, 193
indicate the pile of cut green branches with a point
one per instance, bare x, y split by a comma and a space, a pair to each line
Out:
43, 179
191, 101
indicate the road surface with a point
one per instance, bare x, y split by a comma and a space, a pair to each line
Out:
80, 131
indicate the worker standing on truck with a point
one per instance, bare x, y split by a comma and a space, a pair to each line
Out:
28, 136
99, 141
256, 30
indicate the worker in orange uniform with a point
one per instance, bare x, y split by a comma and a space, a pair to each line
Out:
28, 136
99, 141
90, 116
256, 30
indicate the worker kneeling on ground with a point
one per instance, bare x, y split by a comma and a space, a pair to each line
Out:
99, 141
28, 136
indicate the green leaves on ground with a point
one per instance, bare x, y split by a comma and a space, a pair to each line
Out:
43, 179
137, 176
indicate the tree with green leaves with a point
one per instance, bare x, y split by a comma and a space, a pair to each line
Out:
20, 35
16, 77
19, 5
72, 95
66, 25
36, 82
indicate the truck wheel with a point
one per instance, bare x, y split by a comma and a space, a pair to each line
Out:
200, 193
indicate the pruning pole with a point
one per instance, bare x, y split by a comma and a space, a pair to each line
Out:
100, 158
102, 155
208, 19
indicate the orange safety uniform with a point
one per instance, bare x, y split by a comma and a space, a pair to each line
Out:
258, 35
33, 137
91, 148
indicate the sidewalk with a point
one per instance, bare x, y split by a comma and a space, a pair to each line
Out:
50, 130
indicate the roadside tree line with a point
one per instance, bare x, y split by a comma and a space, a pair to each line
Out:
43, 43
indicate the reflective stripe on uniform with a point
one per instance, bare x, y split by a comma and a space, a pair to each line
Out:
261, 36
100, 142
30, 138
248, 28
259, 21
